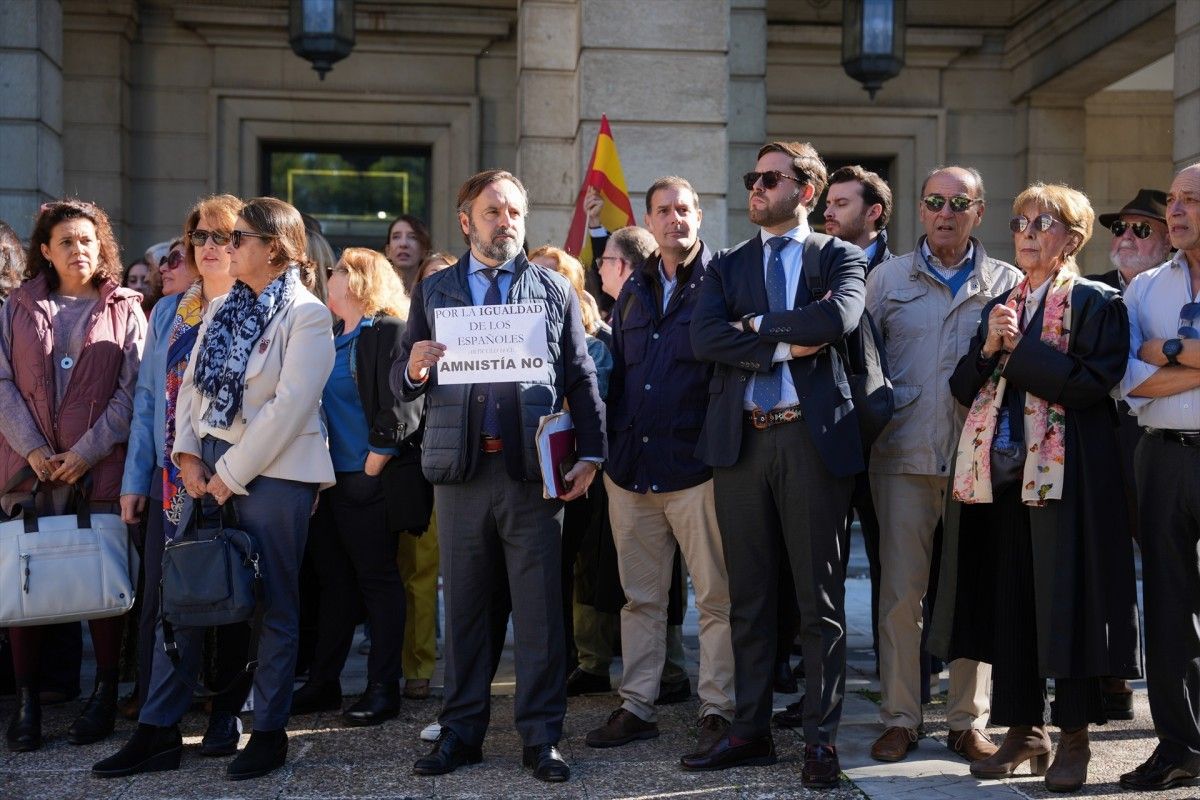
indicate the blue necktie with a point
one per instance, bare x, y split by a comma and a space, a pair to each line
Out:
491, 412
768, 389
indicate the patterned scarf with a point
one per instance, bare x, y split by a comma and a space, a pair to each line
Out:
229, 340
180, 342
1045, 423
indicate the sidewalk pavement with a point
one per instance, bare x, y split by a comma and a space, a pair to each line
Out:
328, 760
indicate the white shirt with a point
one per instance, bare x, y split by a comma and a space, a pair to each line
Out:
1154, 299
1033, 301
792, 255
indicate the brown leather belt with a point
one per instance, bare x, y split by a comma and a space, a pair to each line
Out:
489, 445
761, 420
1185, 438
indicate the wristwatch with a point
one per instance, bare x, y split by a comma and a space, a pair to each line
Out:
1171, 349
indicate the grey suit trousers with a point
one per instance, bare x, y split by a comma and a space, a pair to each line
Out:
780, 502
492, 519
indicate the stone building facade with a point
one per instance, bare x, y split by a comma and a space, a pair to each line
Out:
142, 105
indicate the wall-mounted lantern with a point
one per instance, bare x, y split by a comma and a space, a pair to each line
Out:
321, 31
873, 41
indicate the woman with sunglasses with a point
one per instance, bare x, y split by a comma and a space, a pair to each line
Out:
1037, 565
70, 346
248, 432
194, 273
353, 544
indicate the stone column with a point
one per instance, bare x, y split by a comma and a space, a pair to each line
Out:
1053, 126
96, 114
31, 109
747, 129
1187, 83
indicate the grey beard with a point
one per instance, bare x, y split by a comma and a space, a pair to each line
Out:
1134, 262
496, 251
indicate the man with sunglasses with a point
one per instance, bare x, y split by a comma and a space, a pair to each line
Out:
1162, 387
927, 304
1139, 243
782, 437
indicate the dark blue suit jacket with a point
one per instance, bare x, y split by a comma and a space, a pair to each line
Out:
735, 287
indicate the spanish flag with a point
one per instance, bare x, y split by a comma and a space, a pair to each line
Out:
604, 172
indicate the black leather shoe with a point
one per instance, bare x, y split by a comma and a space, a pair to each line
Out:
25, 727
757, 752
314, 696
546, 762
150, 749
380, 702
790, 717
821, 768
98, 717
1160, 772
448, 754
221, 736
670, 694
580, 682
785, 681
265, 752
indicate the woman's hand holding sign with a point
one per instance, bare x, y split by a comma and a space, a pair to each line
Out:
424, 357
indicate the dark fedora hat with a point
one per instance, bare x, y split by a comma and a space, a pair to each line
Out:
1149, 203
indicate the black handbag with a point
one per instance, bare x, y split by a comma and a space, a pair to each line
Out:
1007, 461
210, 577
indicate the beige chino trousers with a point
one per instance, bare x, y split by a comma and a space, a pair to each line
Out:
909, 507
645, 529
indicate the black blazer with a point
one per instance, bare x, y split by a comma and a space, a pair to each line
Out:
734, 287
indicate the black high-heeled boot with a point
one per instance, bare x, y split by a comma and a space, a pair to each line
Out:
25, 727
150, 749
265, 752
98, 717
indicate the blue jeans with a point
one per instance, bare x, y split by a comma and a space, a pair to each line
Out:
275, 513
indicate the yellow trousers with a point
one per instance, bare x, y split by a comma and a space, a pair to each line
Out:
418, 561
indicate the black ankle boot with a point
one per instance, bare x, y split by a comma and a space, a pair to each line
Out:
265, 752
98, 717
25, 727
150, 749
379, 703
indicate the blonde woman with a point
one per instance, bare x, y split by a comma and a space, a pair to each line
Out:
1037, 568
353, 540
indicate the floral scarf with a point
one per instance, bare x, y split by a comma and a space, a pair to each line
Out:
180, 342
1045, 423
230, 338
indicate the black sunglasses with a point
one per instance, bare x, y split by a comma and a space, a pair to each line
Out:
1041, 223
237, 236
958, 204
200, 237
1140, 229
171, 260
1187, 321
770, 179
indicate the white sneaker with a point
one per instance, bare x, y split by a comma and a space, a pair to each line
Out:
431, 732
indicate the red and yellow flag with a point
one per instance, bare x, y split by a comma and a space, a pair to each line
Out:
603, 172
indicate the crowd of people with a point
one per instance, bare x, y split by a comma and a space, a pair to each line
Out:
1040, 424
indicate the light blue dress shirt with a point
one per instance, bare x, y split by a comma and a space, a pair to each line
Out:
793, 263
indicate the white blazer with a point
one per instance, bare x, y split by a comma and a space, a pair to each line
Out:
278, 430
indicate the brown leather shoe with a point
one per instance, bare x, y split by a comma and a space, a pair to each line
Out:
821, 768
895, 744
1021, 743
972, 744
757, 752
711, 729
1068, 773
622, 727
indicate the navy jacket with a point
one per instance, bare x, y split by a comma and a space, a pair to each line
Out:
454, 412
734, 287
658, 390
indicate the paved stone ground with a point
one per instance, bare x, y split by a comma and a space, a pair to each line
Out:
329, 761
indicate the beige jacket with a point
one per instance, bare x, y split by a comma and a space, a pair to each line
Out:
278, 432
926, 332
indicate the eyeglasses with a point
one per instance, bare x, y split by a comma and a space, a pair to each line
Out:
172, 260
237, 237
958, 203
1041, 223
770, 179
1140, 229
610, 258
200, 237
1187, 321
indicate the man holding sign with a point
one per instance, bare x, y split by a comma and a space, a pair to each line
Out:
495, 343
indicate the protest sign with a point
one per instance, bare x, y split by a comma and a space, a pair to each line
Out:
492, 344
